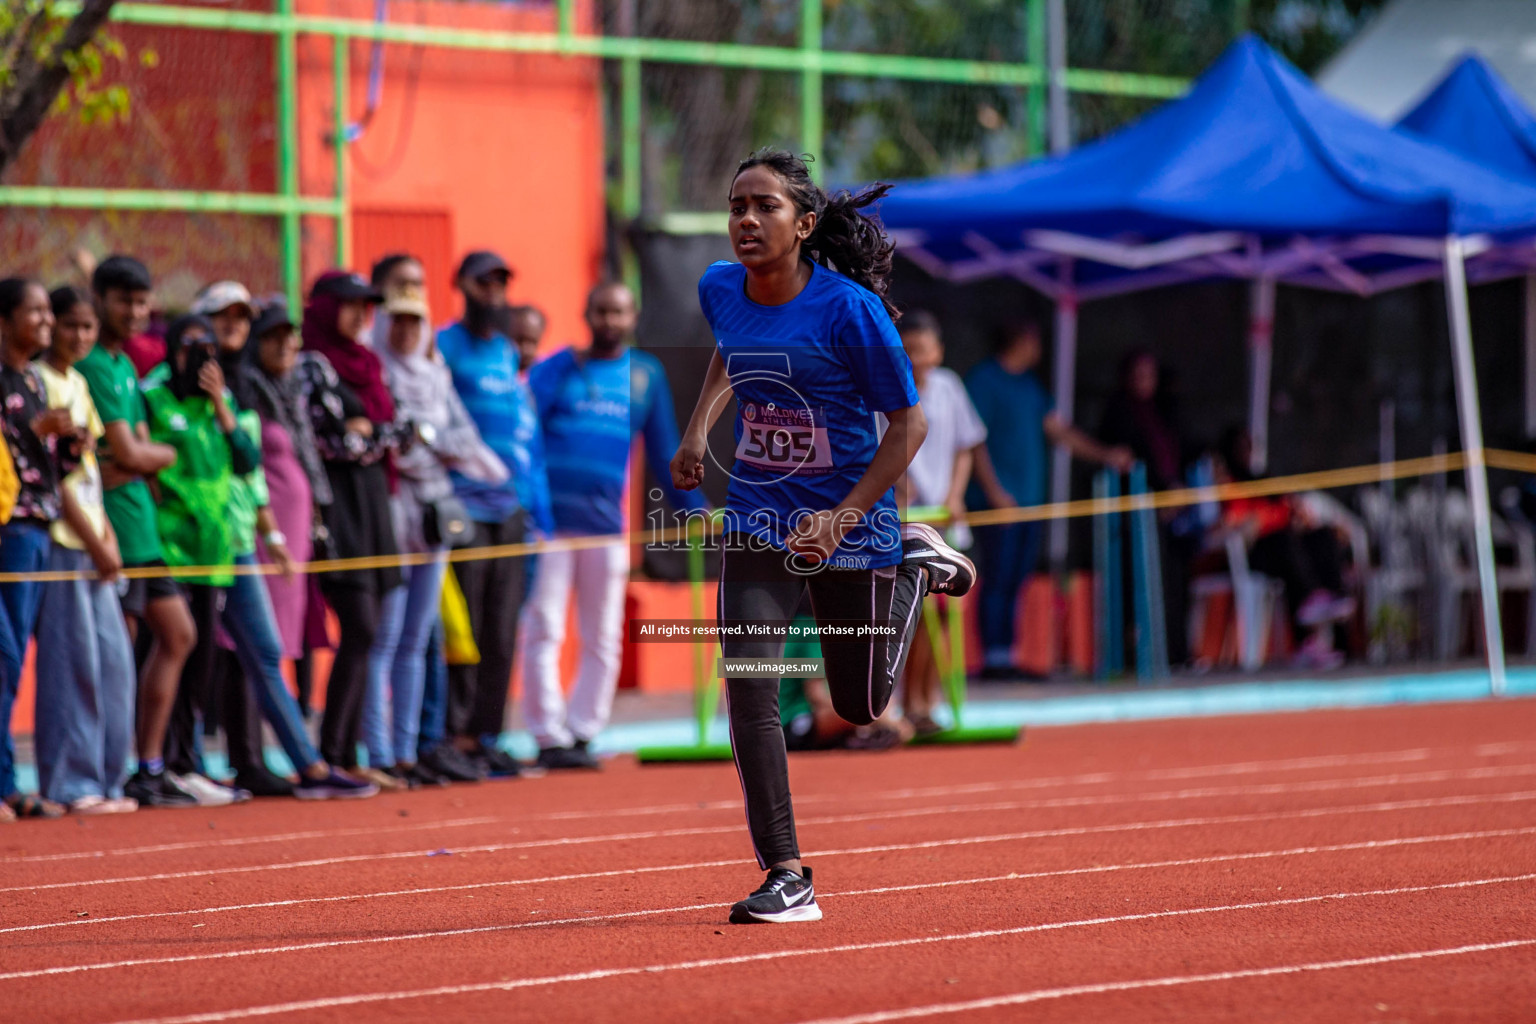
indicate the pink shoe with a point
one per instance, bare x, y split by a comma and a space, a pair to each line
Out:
1317, 654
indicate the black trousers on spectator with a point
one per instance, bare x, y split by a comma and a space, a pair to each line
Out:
494, 590
357, 611
1302, 561
760, 587
194, 695
242, 717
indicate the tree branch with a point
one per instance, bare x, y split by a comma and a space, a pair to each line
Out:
35, 87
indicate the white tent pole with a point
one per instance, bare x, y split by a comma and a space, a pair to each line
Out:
1261, 334
1065, 364
1056, 35
1530, 355
1472, 445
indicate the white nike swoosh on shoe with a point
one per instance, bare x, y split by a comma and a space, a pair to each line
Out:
950, 571
802, 894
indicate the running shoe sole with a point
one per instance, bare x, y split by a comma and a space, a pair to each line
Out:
964, 569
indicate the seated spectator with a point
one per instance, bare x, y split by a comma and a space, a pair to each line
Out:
85, 673
936, 478
425, 511
811, 722
1284, 543
45, 446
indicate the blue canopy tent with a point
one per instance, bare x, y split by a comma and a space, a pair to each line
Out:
1475, 114
1253, 174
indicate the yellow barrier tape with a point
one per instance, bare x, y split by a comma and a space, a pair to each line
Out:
1270, 487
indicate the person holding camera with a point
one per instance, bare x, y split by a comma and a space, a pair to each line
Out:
208, 503
357, 432
429, 519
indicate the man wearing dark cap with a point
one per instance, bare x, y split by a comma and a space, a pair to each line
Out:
484, 365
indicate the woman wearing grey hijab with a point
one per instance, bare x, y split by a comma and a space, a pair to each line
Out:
428, 520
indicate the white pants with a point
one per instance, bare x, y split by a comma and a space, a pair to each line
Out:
599, 575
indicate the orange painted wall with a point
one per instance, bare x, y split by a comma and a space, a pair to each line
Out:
509, 146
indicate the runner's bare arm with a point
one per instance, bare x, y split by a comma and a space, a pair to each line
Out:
688, 463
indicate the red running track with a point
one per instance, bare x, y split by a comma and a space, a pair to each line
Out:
1375, 865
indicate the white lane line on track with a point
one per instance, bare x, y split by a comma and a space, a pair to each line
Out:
1271, 789
1103, 987
1417, 754
1400, 805
1369, 844
281, 837
599, 974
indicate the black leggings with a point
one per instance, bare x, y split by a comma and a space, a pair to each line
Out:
357, 613
759, 586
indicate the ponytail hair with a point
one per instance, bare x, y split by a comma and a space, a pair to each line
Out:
845, 240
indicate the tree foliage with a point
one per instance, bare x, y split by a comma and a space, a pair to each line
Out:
699, 122
52, 63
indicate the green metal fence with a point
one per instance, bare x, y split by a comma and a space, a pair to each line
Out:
809, 61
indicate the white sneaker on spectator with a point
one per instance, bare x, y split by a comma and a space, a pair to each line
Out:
205, 791
91, 804
121, 805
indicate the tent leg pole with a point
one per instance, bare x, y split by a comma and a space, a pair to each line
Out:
1530, 355
1261, 334
1472, 444
1065, 384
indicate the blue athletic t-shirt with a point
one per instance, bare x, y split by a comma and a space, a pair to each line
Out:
485, 376
808, 376
591, 410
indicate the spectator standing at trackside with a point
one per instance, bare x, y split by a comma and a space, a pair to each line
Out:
936, 478
484, 367
120, 287
592, 403
427, 514
526, 326
436, 759
1141, 417
85, 673
353, 415
251, 672
1010, 470
296, 482
123, 290
45, 446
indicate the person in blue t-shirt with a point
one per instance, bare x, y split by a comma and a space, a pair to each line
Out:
484, 366
592, 403
811, 354
1022, 426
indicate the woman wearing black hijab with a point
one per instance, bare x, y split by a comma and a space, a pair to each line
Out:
356, 433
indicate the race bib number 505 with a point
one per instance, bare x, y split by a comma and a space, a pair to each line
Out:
784, 440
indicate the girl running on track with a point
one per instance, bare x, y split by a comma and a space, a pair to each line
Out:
811, 354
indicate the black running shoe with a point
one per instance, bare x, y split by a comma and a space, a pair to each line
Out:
261, 782
425, 776
497, 763
557, 758
450, 764
157, 791
949, 572
783, 897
